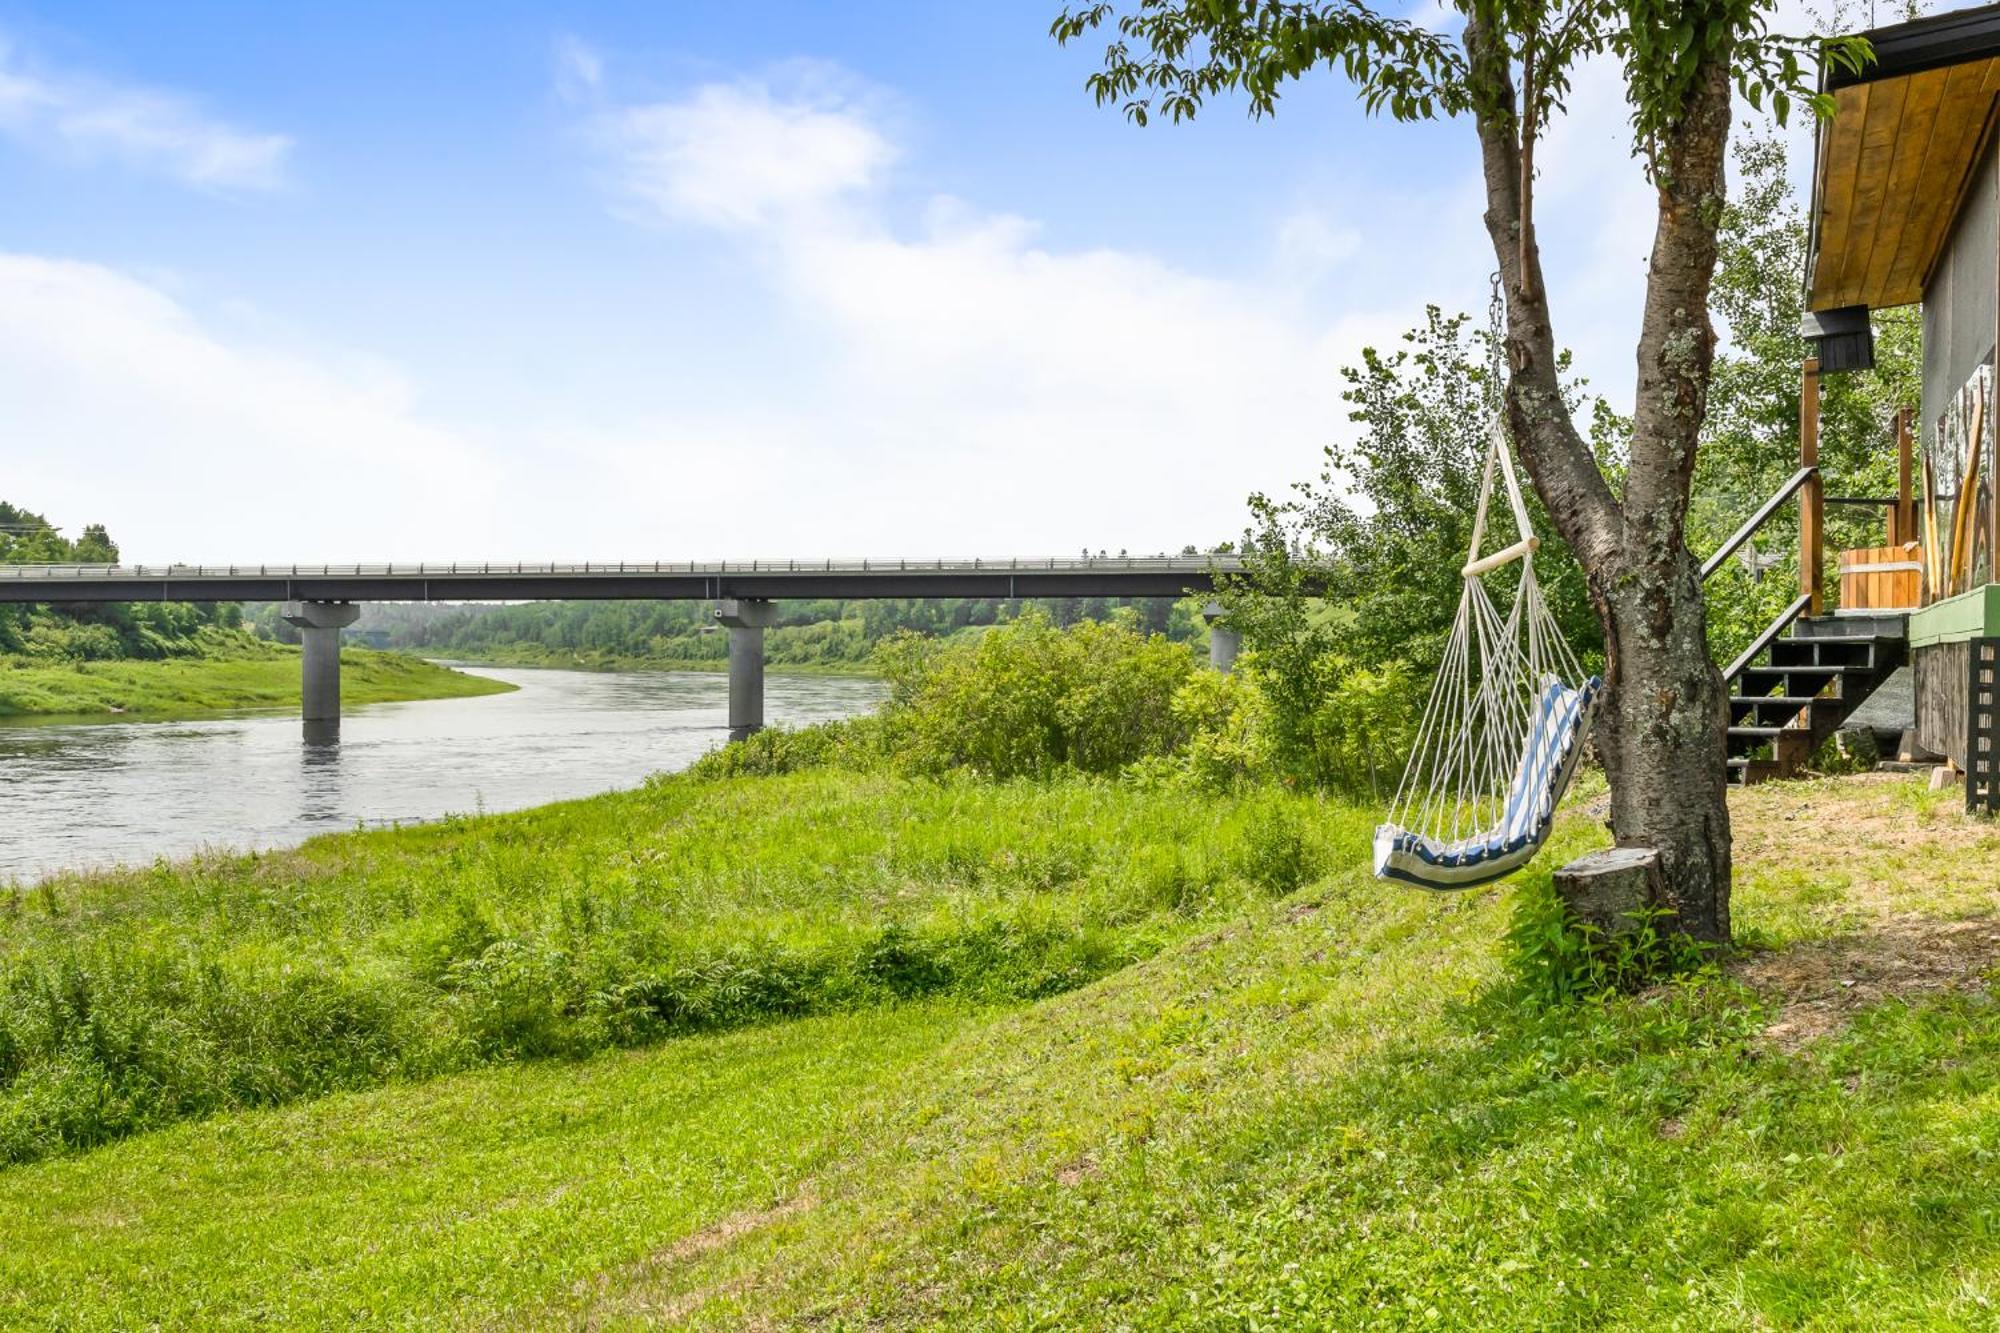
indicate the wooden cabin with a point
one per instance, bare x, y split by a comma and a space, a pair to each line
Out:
1905, 212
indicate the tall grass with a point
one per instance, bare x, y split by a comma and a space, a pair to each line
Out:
136, 999
234, 672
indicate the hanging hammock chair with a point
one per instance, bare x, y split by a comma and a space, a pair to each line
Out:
1503, 731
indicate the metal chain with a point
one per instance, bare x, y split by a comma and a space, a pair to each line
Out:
1496, 342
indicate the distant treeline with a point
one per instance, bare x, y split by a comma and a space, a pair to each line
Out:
825, 634
93, 631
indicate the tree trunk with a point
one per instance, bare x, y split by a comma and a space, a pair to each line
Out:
1662, 725
1661, 730
1666, 718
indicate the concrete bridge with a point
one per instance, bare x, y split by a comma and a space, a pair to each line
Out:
321, 600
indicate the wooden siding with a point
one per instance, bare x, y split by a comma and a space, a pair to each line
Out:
1893, 167
1941, 672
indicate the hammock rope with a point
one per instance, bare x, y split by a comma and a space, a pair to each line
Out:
1505, 724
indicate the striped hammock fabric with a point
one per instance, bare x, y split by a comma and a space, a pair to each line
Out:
1555, 743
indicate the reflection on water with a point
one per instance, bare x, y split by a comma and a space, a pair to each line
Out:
95, 794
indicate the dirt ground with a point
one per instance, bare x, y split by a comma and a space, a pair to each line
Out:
1894, 890
1822, 983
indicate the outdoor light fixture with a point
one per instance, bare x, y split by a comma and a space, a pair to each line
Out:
1842, 336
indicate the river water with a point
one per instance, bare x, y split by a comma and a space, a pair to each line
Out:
78, 795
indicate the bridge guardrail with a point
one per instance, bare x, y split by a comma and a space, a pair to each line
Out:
518, 569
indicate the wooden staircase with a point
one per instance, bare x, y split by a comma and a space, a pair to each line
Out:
1790, 692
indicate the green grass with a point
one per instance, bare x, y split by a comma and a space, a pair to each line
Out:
522, 1182
1313, 1110
191, 686
134, 999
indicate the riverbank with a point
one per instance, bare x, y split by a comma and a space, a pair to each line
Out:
1064, 1054
256, 675
539, 656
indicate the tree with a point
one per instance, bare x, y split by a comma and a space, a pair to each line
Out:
1508, 68
1387, 524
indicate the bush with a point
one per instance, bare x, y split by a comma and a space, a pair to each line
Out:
851, 743
1030, 700
1340, 726
1229, 729
1555, 959
1277, 855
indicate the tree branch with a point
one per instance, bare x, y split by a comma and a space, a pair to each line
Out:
1676, 338
1564, 471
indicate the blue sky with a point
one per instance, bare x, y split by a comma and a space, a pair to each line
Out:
673, 280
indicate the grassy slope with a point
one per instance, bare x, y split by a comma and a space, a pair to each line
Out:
130, 1000
1319, 1113
184, 686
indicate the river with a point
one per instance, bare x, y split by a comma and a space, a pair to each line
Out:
82, 795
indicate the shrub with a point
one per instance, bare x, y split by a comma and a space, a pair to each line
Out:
851, 743
1228, 725
1555, 959
1277, 855
1030, 700
1340, 726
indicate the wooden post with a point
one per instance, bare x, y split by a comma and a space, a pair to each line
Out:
1904, 526
1812, 499
1992, 524
1965, 518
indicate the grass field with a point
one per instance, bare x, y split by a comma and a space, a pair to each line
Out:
188, 686
1316, 1108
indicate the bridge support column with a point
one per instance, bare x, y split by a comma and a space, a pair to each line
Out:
319, 625
1223, 643
746, 619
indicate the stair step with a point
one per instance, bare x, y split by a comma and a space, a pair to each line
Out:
1756, 707
1824, 652
1781, 677
1881, 624
1745, 772
1790, 687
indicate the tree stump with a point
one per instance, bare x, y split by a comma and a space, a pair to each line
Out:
1608, 889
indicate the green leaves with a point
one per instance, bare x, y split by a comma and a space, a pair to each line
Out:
1171, 57
1031, 700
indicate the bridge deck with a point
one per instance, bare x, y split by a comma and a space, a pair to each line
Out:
1120, 576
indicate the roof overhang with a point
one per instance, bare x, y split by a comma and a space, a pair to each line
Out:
1892, 162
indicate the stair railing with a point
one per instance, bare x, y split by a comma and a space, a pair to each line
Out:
1756, 521
1804, 601
1764, 640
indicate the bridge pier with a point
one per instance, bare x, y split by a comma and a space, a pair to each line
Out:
746, 618
1223, 643
319, 625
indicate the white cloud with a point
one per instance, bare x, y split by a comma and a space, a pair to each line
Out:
89, 119
119, 406
1309, 244
579, 69
977, 388
734, 154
